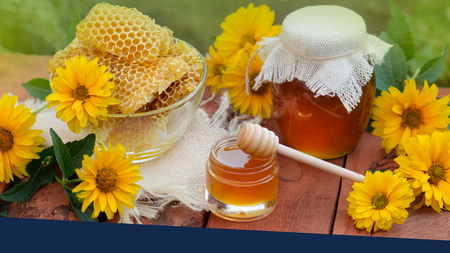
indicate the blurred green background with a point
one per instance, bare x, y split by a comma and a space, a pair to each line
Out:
41, 26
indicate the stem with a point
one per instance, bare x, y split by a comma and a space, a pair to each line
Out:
416, 74
40, 109
62, 183
67, 187
58, 179
77, 180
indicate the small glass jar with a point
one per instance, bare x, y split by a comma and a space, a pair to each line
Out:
320, 126
242, 187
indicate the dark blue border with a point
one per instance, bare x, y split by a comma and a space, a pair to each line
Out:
74, 236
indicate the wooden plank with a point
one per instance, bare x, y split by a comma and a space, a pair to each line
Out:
306, 199
3, 188
48, 202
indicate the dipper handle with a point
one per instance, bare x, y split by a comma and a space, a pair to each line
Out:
260, 142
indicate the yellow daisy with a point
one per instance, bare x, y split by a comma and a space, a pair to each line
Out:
257, 103
380, 200
217, 64
82, 92
399, 116
109, 181
18, 143
246, 25
427, 165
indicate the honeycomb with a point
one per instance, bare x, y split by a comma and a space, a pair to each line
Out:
157, 76
128, 76
182, 87
150, 68
75, 48
124, 32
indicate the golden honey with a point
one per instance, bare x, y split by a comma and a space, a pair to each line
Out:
243, 187
320, 126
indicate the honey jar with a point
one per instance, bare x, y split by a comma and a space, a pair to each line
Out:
242, 187
321, 67
320, 126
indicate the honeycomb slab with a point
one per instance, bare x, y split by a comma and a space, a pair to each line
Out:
151, 69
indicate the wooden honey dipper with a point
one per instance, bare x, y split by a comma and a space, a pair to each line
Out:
258, 141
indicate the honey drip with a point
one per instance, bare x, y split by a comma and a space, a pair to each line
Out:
320, 126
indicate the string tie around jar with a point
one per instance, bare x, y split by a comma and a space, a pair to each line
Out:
247, 79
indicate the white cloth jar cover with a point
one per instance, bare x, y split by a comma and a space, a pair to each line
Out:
325, 46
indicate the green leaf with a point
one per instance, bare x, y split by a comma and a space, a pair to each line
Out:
4, 214
71, 33
39, 173
76, 205
369, 128
433, 69
393, 71
62, 155
38, 88
373, 171
80, 148
398, 31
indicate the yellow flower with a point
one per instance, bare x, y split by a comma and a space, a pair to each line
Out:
247, 25
257, 103
397, 116
82, 92
216, 69
427, 164
380, 200
18, 143
109, 181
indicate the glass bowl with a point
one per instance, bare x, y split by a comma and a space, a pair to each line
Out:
147, 135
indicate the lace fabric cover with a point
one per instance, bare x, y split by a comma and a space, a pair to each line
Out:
327, 47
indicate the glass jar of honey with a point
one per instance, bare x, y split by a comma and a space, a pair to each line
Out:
320, 126
242, 187
321, 67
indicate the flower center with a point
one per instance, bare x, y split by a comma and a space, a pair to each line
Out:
81, 93
436, 172
412, 118
262, 88
6, 140
107, 180
247, 38
218, 68
380, 201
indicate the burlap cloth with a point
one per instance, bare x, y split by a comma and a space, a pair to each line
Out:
177, 175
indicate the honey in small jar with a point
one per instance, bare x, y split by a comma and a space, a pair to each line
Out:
243, 187
320, 126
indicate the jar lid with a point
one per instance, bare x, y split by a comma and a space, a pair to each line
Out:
328, 48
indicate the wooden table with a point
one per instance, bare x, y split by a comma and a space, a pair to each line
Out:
309, 200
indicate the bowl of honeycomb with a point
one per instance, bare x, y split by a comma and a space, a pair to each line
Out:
159, 79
